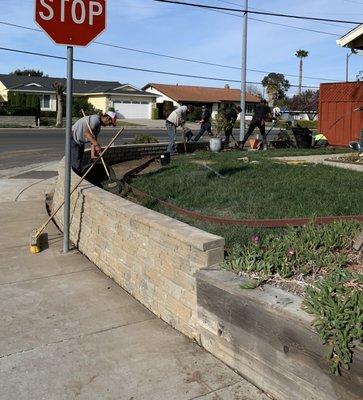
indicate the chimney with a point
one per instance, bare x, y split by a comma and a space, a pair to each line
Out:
226, 86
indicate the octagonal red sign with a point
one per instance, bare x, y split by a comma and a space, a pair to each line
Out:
71, 22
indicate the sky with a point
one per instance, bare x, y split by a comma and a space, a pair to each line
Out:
193, 33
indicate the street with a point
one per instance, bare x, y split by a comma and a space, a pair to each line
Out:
21, 147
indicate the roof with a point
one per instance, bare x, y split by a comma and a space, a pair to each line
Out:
43, 84
353, 39
201, 94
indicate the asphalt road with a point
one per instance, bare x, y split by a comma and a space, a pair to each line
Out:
22, 147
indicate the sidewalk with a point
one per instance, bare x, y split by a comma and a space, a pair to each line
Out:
69, 332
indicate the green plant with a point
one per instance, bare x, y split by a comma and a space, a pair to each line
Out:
196, 115
111, 109
307, 124
337, 303
336, 300
155, 113
139, 139
80, 103
221, 123
299, 252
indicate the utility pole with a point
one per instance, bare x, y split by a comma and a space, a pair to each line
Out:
67, 167
243, 72
347, 66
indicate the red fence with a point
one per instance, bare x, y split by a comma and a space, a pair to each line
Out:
337, 118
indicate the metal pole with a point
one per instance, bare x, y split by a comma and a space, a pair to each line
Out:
347, 67
67, 169
243, 73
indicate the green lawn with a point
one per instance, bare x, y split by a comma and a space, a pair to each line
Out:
262, 190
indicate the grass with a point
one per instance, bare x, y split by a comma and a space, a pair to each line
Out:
263, 190
125, 123
253, 190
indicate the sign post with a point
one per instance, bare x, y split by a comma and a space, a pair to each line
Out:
71, 23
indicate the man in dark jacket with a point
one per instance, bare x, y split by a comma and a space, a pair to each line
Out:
205, 125
260, 116
231, 114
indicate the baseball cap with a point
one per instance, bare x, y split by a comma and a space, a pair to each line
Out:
112, 115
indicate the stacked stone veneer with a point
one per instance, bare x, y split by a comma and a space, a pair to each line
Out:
151, 256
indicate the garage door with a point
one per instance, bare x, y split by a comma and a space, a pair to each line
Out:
132, 109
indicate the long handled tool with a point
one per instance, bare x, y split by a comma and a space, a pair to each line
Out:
113, 185
34, 240
94, 137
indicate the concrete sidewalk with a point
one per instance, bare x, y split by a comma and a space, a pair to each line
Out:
69, 332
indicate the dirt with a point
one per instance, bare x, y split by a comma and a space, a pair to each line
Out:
121, 168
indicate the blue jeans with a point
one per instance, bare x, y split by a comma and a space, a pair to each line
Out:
171, 129
203, 128
77, 151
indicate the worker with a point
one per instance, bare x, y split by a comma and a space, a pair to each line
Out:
177, 119
81, 135
205, 125
261, 114
231, 114
319, 140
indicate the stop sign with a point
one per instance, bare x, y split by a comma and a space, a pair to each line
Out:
71, 22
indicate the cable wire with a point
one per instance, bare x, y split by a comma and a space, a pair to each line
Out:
174, 57
304, 17
138, 69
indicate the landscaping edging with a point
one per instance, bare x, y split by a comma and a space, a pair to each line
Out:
266, 336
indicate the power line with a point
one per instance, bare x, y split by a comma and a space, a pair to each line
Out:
260, 9
304, 17
135, 68
173, 57
279, 24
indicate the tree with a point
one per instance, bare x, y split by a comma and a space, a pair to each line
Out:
80, 103
59, 91
253, 89
27, 72
307, 102
301, 54
276, 85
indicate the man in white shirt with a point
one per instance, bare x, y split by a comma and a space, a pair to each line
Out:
82, 135
177, 118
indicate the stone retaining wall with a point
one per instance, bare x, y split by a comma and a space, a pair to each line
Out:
151, 256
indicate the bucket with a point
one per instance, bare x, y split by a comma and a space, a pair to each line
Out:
165, 159
215, 145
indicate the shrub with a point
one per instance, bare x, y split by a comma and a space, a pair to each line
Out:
140, 139
196, 115
168, 108
48, 114
154, 113
307, 124
112, 109
80, 103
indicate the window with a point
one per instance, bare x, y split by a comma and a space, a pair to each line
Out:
45, 101
250, 108
144, 102
135, 102
126, 102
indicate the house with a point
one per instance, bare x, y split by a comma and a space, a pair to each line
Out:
214, 98
128, 101
340, 104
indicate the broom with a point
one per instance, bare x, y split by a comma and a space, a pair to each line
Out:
35, 235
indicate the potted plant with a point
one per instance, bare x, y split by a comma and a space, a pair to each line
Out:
220, 125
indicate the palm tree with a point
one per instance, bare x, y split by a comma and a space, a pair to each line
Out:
301, 54
59, 90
